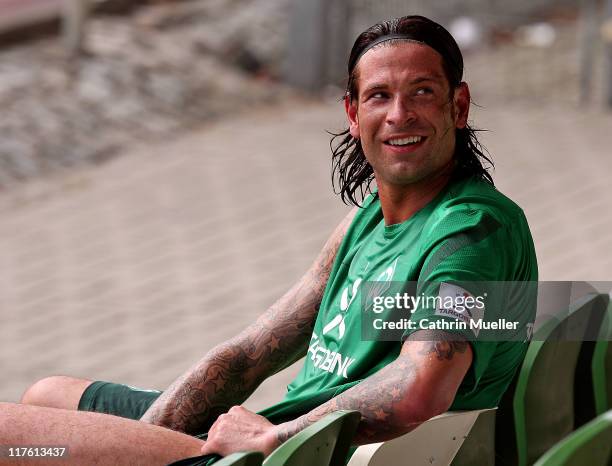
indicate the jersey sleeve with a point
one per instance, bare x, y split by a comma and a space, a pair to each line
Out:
464, 283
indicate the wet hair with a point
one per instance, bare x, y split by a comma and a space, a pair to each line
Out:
352, 175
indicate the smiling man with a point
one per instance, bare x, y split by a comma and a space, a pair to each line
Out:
435, 219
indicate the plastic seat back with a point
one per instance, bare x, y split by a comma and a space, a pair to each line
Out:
326, 442
435, 442
601, 367
593, 372
479, 445
591, 445
538, 410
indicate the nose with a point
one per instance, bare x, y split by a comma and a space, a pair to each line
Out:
400, 113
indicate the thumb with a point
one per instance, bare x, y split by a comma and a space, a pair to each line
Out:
207, 448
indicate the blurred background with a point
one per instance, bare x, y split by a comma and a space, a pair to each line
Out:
165, 166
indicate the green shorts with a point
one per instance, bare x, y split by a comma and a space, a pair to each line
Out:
117, 399
132, 403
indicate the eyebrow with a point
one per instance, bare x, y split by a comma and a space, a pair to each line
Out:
432, 78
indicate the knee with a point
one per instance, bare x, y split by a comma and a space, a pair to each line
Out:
46, 391
37, 393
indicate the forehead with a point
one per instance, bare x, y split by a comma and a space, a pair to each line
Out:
400, 60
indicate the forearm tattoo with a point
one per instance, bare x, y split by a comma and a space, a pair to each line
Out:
380, 398
232, 371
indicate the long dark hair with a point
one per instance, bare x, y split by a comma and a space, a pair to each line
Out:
352, 175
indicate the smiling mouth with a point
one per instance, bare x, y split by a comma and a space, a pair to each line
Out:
404, 142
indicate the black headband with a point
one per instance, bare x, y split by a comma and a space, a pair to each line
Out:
386, 38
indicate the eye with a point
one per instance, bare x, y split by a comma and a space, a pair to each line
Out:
424, 91
378, 95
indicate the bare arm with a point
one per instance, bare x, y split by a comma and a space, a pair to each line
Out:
419, 384
230, 372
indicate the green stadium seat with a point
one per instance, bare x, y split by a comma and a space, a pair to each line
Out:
593, 379
538, 409
591, 445
326, 442
433, 442
601, 366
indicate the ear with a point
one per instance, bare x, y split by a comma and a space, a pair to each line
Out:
461, 102
350, 107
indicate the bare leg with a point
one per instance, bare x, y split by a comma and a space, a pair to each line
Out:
56, 392
91, 438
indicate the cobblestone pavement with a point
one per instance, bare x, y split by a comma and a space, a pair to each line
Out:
130, 271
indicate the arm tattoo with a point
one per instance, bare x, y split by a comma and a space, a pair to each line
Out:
229, 373
443, 344
381, 398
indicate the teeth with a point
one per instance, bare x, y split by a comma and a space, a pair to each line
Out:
404, 141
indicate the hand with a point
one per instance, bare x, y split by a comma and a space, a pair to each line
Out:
241, 430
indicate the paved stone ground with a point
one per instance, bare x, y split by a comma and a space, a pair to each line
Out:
131, 271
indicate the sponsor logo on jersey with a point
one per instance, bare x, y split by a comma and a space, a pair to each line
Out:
327, 360
345, 302
350, 293
334, 361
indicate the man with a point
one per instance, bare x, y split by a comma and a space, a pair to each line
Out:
435, 220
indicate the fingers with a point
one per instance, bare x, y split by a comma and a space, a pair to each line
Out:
240, 430
225, 430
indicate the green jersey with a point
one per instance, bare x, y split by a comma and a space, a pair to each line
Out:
469, 233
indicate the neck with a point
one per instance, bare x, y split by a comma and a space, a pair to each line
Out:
400, 202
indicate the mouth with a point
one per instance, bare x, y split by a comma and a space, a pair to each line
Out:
405, 144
